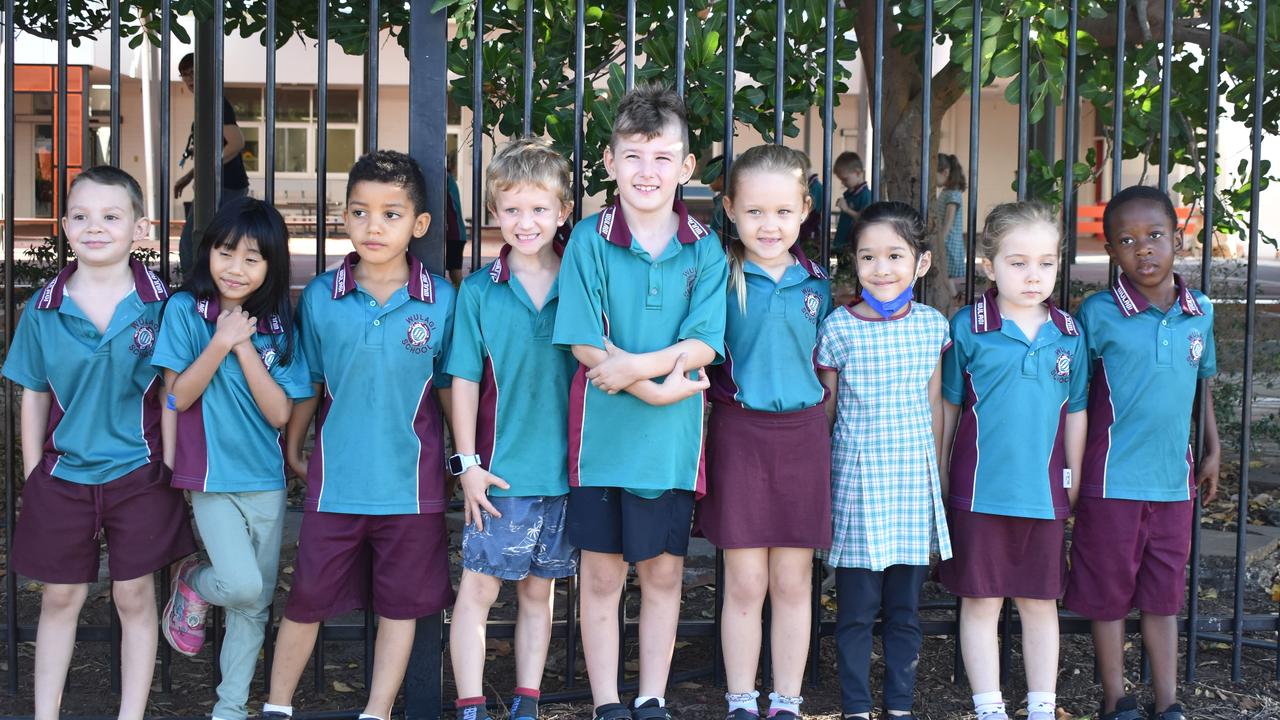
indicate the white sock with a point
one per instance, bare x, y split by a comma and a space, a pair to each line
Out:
286, 709
1045, 702
367, 716
743, 701
778, 703
991, 703
662, 702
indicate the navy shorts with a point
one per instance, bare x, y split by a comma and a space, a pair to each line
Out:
529, 539
617, 522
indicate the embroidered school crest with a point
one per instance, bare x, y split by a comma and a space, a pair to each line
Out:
418, 336
690, 277
144, 338
1195, 347
812, 301
269, 356
1062, 366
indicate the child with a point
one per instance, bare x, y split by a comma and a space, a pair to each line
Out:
857, 196
885, 353
93, 463
1016, 368
951, 187
513, 465
232, 372
1150, 339
641, 297
375, 333
768, 502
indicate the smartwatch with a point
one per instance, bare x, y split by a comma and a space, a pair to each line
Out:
458, 464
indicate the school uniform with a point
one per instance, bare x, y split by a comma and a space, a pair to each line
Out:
1008, 496
768, 443
232, 461
102, 473
856, 199
375, 482
634, 468
502, 342
1132, 535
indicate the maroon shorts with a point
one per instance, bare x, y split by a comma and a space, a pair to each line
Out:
1002, 556
62, 524
402, 561
1129, 554
768, 479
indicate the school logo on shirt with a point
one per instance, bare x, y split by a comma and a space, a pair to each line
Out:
1196, 347
812, 301
418, 336
1062, 366
269, 356
690, 277
144, 338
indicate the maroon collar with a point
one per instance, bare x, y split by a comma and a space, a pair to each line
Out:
813, 268
986, 315
611, 223
149, 286
421, 286
210, 308
1131, 301
500, 270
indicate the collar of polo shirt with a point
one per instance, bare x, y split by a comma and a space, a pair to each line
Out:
1131, 301
149, 285
612, 225
986, 315
209, 309
420, 285
500, 269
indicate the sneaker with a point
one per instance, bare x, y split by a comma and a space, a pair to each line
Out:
613, 711
523, 708
1173, 712
473, 712
783, 715
273, 715
1126, 709
183, 621
1040, 716
650, 710
741, 714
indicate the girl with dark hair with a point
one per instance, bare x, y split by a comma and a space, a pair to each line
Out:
951, 188
232, 372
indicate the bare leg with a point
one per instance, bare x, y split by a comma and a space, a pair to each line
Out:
746, 575
139, 631
1039, 643
55, 639
390, 658
476, 594
1160, 635
294, 643
978, 643
602, 578
1108, 648
661, 580
791, 595
533, 629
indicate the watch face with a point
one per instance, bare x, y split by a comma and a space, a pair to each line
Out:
454, 464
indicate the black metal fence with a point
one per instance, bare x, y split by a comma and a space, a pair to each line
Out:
428, 48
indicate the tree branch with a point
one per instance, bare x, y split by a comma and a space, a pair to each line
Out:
1192, 30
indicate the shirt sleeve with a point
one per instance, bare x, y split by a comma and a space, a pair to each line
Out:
1209, 358
466, 348
862, 200
706, 317
954, 361
1083, 317
824, 308
831, 347
294, 378
1078, 385
580, 313
308, 338
441, 379
24, 363
177, 346
228, 113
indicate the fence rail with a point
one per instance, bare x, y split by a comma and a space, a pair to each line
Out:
428, 49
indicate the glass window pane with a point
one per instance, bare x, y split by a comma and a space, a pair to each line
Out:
293, 104
341, 149
453, 113
344, 106
291, 150
250, 153
247, 102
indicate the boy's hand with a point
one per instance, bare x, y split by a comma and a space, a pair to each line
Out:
475, 495
298, 464
1207, 478
616, 373
181, 185
840, 205
235, 326
677, 386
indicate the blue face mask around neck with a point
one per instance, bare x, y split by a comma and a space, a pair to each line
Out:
888, 309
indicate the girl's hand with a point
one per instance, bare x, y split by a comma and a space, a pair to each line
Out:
475, 495
235, 326
677, 385
616, 372
1207, 477
298, 464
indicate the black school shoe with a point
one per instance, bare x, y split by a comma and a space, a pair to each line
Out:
1126, 709
273, 715
613, 711
1173, 712
650, 710
741, 714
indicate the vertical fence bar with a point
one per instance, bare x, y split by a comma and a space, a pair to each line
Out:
1166, 92
631, 44
526, 125
1251, 307
926, 109
1117, 102
477, 132
371, 80
322, 129
780, 70
877, 103
166, 151
975, 107
1071, 148
269, 115
730, 70
215, 149
10, 314
1206, 260
828, 107
60, 189
113, 153
682, 24
1024, 79
579, 72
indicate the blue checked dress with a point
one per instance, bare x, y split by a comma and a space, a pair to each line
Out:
886, 498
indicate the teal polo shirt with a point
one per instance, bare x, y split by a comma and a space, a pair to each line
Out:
224, 443
104, 420
1008, 456
771, 348
1144, 365
501, 341
610, 287
379, 435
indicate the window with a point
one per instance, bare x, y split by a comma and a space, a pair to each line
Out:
296, 128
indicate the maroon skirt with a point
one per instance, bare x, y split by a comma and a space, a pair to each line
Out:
1003, 556
768, 479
